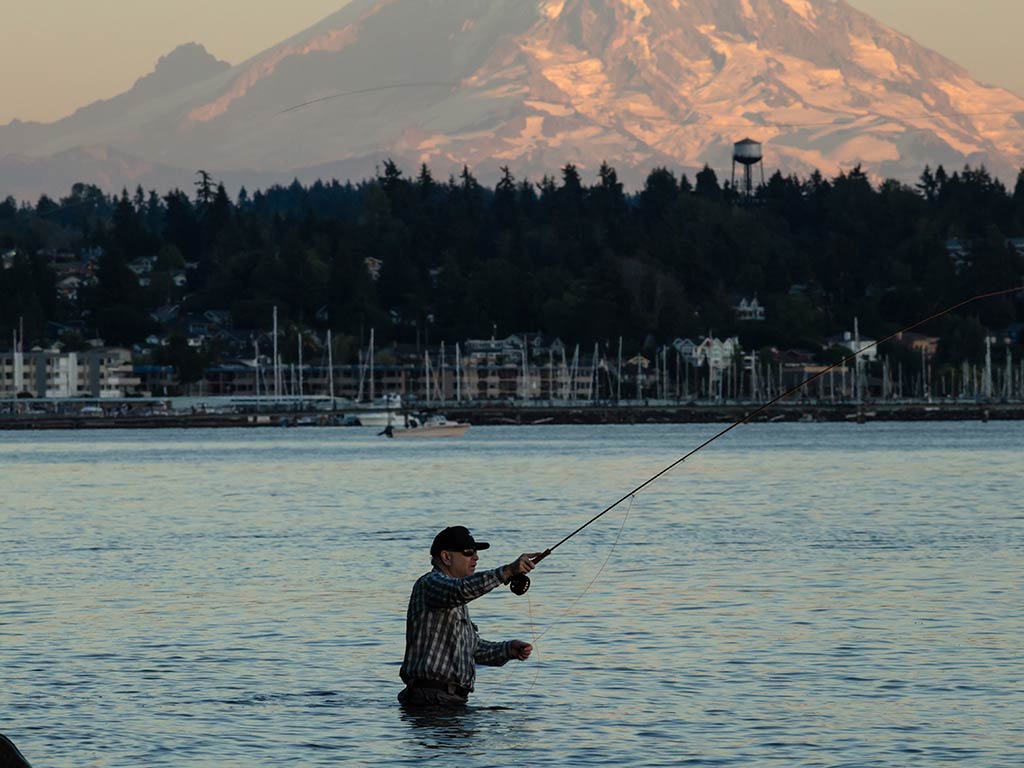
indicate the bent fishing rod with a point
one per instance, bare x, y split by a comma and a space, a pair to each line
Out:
520, 583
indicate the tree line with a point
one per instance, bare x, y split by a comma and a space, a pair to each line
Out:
585, 262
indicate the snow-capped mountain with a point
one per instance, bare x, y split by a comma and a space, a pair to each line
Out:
534, 84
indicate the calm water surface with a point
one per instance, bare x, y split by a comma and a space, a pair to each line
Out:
794, 595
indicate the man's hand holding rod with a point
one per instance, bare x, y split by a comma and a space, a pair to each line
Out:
523, 565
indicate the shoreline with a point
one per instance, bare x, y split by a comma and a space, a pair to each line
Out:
506, 415
716, 414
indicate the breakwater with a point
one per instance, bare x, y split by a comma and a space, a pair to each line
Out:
697, 414
509, 414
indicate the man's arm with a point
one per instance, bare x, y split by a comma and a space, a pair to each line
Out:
491, 654
446, 592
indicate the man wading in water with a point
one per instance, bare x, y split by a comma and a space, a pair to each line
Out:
442, 647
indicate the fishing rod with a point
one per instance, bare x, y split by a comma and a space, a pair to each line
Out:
520, 583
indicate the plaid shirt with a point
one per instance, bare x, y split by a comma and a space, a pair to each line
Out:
441, 643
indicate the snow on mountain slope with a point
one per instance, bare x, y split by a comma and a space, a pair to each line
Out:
534, 84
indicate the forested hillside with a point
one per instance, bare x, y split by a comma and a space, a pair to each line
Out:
580, 259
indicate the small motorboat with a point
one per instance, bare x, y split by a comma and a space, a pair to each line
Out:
417, 425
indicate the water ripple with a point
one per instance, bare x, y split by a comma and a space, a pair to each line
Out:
238, 597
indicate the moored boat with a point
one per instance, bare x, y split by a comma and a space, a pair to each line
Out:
436, 425
384, 412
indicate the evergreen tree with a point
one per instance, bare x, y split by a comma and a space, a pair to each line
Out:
707, 184
204, 188
577, 260
659, 195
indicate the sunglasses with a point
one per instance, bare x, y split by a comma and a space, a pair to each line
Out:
468, 552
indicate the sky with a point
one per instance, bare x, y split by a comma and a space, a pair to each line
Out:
59, 55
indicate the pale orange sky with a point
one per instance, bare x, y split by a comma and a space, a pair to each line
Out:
59, 55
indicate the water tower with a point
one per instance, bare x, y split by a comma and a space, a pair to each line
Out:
748, 154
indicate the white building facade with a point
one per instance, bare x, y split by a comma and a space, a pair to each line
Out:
51, 374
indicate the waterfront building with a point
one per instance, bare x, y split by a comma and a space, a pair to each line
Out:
718, 355
920, 343
854, 342
101, 373
427, 381
158, 380
687, 349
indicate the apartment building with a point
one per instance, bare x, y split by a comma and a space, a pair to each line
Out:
101, 373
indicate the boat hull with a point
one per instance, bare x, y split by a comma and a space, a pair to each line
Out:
438, 430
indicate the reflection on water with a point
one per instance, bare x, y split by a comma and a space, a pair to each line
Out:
450, 730
820, 594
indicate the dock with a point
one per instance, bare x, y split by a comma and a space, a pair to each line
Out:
510, 414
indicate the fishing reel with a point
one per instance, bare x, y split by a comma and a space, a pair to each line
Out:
520, 583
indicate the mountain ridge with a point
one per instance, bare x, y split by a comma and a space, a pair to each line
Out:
535, 85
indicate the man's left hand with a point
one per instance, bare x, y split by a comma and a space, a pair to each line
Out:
521, 650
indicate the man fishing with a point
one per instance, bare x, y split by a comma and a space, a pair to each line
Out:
442, 646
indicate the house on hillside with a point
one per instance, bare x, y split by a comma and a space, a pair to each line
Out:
373, 267
749, 310
543, 346
67, 288
166, 314
237, 344
220, 318
717, 353
960, 251
142, 265
855, 343
495, 351
920, 343
687, 349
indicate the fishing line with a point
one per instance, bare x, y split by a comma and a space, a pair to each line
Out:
535, 638
521, 583
536, 648
374, 89
597, 575
841, 121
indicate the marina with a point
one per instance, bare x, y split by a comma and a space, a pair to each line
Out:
227, 414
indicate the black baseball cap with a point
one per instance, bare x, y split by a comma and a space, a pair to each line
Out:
455, 538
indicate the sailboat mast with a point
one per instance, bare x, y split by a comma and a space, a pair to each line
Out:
277, 361
618, 374
330, 368
300, 363
458, 373
371, 367
256, 365
426, 376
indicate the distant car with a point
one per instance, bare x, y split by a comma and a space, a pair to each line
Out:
91, 410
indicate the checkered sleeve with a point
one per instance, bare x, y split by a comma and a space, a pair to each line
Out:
441, 591
492, 654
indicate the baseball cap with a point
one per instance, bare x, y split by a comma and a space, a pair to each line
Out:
454, 539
